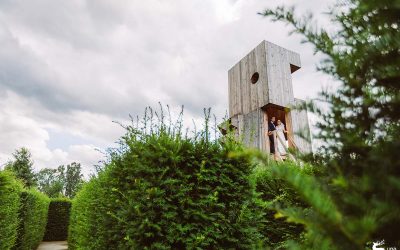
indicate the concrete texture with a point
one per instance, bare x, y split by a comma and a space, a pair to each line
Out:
53, 245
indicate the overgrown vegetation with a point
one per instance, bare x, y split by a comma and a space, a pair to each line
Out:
58, 220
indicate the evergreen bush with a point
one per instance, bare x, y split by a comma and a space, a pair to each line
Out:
58, 220
10, 189
273, 193
33, 218
165, 190
357, 203
89, 218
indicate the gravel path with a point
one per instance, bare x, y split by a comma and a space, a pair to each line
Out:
53, 245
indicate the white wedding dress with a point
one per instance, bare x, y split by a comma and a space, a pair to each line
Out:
280, 139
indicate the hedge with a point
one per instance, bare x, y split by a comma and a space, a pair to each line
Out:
87, 214
276, 193
58, 220
10, 189
166, 191
33, 218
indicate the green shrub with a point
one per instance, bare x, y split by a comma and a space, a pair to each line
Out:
358, 204
58, 220
87, 213
163, 190
10, 189
33, 218
275, 193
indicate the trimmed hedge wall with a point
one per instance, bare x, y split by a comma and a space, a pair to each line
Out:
166, 191
33, 218
89, 217
23, 214
58, 220
10, 203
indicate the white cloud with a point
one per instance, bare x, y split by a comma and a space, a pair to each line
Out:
20, 129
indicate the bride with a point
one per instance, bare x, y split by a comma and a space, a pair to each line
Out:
280, 138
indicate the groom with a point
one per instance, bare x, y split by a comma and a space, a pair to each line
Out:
271, 135
271, 128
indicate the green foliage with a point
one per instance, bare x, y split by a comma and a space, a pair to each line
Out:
358, 200
58, 220
49, 182
73, 179
164, 190
22, 167
274, 192
23, 214
10, 189
63, 181
89, 211
33, 218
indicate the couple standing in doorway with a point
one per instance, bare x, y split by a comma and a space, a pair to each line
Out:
277, 140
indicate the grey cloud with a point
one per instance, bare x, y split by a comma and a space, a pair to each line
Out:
115, 86
114, 55
77, 65
22, 73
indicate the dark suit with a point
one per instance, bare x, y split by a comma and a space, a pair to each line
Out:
271, 127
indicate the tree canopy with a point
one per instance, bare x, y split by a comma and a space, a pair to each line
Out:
22, 166
63, 181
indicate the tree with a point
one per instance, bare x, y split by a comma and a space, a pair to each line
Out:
357, 202
22, 167
61, 181
73, 179
50, 183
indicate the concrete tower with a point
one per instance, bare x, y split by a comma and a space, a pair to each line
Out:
260, 86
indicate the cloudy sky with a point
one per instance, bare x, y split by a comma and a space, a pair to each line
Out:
70, 68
